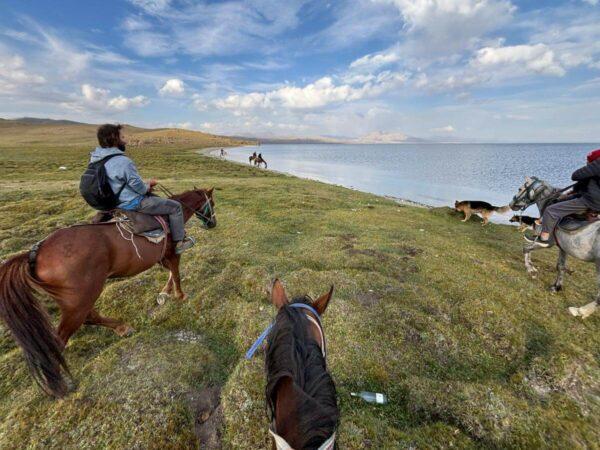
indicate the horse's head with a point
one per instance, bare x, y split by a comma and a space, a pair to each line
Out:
203, 205
528, 193
301, 395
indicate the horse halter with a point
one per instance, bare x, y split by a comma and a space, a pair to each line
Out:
317, 322
528, 194
208, 213
280, 442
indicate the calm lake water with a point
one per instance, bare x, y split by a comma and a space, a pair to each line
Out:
434, 174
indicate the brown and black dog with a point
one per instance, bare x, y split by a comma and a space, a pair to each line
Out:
525, 222
484, 209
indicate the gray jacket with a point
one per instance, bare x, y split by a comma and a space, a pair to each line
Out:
121, 171
588, 184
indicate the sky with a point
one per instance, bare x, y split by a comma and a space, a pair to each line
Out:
483, 70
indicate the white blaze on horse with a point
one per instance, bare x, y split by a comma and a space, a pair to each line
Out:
574, 237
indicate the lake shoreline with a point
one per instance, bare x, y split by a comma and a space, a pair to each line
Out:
211, 152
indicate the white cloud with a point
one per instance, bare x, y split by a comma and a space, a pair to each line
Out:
314, 95
152, 6
591, 2
209, 28
14, 75
174, 86
442, 26
376, 61
134, 23
446, 129
122, 103
99, 99
184, 125
535, 58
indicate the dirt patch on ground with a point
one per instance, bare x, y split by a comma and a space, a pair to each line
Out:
208, 417
380, 256
368, 298
411, 251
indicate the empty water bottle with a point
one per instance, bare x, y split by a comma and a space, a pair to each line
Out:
371, 397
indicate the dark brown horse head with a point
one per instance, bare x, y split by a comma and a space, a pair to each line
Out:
300, 392
201, 203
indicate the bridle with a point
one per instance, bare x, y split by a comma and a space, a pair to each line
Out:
205, 213
529, 194
316, 320
280, 442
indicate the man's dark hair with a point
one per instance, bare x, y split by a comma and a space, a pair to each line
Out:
108, 135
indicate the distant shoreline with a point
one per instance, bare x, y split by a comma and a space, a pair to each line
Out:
211, 152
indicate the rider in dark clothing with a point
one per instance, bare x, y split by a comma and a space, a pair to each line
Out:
587, 197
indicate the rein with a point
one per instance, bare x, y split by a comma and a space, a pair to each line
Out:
252, 350
280, 442
532, 192
207, 213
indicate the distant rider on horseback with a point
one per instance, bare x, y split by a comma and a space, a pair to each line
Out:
586, 197
132, 192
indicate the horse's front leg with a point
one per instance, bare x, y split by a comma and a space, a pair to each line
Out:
561, 268
531, 270
174, 265
167, 290
590, 308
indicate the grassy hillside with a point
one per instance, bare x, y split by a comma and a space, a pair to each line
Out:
435, 313
45, 133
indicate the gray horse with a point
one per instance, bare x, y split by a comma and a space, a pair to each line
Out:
581, 242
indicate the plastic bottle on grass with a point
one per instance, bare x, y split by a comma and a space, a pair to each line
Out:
371, 397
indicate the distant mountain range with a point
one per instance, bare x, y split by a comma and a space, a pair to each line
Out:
41, 121
376, 137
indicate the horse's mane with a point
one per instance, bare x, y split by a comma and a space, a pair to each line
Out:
293, 353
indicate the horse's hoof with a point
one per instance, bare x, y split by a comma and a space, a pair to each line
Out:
162, 298
125, 330
182, 296
584, 311
554, 288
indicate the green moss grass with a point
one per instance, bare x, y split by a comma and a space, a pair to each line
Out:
436, 313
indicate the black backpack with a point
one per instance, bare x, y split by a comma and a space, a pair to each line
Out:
95, 187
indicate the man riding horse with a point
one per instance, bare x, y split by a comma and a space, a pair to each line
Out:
587, 197
132, 193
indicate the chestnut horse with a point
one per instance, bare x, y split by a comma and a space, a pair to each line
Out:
72, 265
301, 395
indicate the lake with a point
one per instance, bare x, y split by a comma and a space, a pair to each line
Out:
433, 174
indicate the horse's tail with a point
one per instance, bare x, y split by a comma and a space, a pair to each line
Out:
502, 209
30, 326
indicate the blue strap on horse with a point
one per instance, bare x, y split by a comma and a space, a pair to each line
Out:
250, 353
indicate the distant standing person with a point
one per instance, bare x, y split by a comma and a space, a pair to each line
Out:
222, 153
132, 192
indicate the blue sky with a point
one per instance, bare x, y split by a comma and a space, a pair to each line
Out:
495, 70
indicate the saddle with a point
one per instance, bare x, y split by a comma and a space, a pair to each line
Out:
575, 222
137, 223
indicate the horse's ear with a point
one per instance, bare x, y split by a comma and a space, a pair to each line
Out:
278, 296
195, 188
321, 303
527, 179
210, 191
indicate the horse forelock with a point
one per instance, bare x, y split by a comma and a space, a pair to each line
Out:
293, 352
